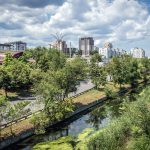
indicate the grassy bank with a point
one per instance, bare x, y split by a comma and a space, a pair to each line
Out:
79, 101
130, 131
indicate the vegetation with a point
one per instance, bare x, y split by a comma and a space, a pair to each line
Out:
129, 131
126, 132
98, 74
67, 143
53, 77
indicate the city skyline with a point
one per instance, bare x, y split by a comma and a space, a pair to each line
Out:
124, 23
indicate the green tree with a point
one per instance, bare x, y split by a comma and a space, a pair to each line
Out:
79, 53
96, 58
93, 52
5, 79
55, 85
16, 111
20, 73
40, 121
3, 108
48, 59
145, 68
119, 69
8, 59
134, 72
98, 74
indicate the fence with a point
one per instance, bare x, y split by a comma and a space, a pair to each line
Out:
76, 112
30, 114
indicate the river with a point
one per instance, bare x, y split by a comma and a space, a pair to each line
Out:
96, 118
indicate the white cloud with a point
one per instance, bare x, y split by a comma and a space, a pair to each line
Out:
118, 20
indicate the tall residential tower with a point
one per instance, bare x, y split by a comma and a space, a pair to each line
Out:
86, 44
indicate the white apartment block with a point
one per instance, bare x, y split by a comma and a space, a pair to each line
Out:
108, 52
60, 45
137, 53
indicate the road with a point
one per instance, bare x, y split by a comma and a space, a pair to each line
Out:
35, 105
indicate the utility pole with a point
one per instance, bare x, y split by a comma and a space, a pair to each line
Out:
70, 49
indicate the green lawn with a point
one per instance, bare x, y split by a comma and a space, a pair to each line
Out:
79, 101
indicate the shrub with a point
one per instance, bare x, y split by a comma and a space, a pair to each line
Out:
110, 93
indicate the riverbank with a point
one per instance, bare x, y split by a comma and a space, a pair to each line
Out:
77, 112
80, 101
127, 131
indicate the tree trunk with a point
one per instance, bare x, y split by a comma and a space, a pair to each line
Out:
0, 133
120, 86
5, 90
11, 130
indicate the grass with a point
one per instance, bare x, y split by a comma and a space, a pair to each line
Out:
62, 143
13, 95
130, 131
17, 128
94, 94
80, 101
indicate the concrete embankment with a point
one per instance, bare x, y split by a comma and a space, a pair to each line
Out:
73, 116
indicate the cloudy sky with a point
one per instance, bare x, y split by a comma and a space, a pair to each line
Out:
125, 23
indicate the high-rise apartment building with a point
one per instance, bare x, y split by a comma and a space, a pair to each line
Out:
14, 46
106, 51
86, 44
138, 53
60, 45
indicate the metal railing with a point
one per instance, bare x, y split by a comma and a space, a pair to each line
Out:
36, 112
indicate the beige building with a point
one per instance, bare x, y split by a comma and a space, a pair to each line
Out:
138, 53
60, 45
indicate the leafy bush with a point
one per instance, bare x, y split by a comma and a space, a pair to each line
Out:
62, 143
134, 123
110, 93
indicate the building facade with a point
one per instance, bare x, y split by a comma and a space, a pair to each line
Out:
14, 46
86, 44
60, 45
137, 53
5, 47
108, 52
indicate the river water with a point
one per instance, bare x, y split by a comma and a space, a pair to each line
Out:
96, 118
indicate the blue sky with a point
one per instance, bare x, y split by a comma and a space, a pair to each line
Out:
125, 23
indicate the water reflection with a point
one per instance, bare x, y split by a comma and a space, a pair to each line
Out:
96, 117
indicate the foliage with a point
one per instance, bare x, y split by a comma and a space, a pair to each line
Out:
133, 124
96, 58
14, 74
66, 143
3, 108
110, 93
145, 68
5, 79
16, 111
141, 143
98, 74
79, 53
48, 59
40, 121
20, 73
93, 52
62, 143
118, 68
8, 59
55, 86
